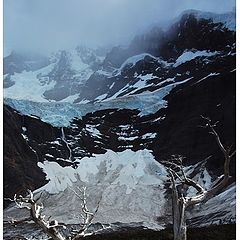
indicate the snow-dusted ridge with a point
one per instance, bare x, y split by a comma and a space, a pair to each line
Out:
228, 18
131, 61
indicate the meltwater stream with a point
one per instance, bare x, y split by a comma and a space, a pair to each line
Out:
65, 141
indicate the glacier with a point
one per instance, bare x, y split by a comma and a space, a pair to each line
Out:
61, 113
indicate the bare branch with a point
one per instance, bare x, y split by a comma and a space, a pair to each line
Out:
194, 184
51, 227
35, 210
87, 215
221, 183
181, 202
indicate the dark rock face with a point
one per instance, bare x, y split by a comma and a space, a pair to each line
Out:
20, 161
183, 135
69, 81
64, 77
188, 33
191, 33
227, 232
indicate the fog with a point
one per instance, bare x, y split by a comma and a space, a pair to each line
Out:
48, 25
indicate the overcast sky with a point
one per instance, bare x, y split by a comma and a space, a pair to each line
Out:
49, 25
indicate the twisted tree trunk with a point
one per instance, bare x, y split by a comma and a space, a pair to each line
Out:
178, 210
180, 203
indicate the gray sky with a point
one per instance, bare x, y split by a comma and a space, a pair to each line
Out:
49, 25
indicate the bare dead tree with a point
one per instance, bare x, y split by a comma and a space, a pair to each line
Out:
35, 210
180, 200
86, 215
51, 228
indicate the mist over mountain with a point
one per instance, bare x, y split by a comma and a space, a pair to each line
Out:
47, 26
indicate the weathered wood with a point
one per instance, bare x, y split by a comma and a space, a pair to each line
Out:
51, 228
181, 203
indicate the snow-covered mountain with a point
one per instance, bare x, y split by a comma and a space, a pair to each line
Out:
109, 123
61, 79
82, 73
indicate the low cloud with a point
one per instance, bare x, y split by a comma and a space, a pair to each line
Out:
49, 25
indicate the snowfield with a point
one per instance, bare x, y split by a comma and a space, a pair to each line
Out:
129, 169
28, 86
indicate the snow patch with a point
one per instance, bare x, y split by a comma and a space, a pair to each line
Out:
146, 77
132, 61
112, 85
228, 18
93, 131
101, 97
127, 138
190, 55
149, 135
70, 98
209, 75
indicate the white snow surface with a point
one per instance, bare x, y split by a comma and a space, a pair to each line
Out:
131, 61
71, 98
130, 185
93, 130
28, 86
190, 55
59, 178
209, 75
132, 168
149, 135
101, 97
146, 77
